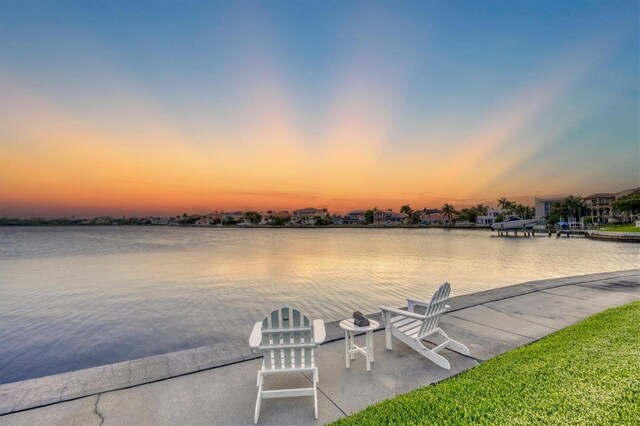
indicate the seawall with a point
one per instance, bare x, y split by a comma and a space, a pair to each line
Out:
625, 237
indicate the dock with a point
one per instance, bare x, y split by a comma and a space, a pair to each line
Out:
572, 233
526, 232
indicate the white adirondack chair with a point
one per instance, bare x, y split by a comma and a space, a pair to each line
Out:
287, 340
411, 327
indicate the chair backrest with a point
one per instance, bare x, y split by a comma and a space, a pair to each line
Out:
437, 307
287, 340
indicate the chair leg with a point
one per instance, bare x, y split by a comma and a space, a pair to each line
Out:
369, 351
387, 330
455, 345
437, 359
352, 344
259, 399
315, 391
458, 347
347, 347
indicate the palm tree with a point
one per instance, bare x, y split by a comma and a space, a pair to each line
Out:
575, 206
406, 209
368, 216
448, 211
482, 209
509, 207
529, 212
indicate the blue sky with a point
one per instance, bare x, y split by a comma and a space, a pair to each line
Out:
380, 101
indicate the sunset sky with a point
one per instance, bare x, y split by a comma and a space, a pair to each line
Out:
134, 108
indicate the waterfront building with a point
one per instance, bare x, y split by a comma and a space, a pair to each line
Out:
203, 221
216, 217
489, 218
273, 217
355, 217
438, 219
388, 218
600, 205
103, 220
543, 205
308, 215
159, 220
265, 218
238, 216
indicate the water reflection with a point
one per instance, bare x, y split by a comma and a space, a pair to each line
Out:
79, 297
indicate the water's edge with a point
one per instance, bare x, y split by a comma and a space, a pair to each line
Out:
23, 395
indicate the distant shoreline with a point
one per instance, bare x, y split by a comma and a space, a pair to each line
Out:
27, 225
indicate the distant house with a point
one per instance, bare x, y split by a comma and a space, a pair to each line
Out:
275, 217
426, 214
237, 216
355, 217
397, 218
489, 218
203, 221
388, 218
159, 220
438, 219
103, 220
216, 217
308, 215
265, 218
601, 205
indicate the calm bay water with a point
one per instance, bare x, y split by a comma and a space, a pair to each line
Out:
77, 297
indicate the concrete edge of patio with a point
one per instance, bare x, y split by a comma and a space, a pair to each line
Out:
24, 395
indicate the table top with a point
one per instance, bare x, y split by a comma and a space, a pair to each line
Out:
348, 325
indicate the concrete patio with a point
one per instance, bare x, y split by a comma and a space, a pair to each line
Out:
489, 323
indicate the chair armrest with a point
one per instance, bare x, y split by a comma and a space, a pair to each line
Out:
401, 312
319, 333
411, 303
256, 335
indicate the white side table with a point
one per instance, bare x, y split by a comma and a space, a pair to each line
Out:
349, 344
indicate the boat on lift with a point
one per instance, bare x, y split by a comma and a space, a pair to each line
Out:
514, 223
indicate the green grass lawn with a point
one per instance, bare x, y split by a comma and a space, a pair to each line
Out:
588, 373
623, 228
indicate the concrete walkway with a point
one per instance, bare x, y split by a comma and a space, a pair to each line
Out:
489, 323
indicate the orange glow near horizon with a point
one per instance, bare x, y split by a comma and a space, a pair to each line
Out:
62, 167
